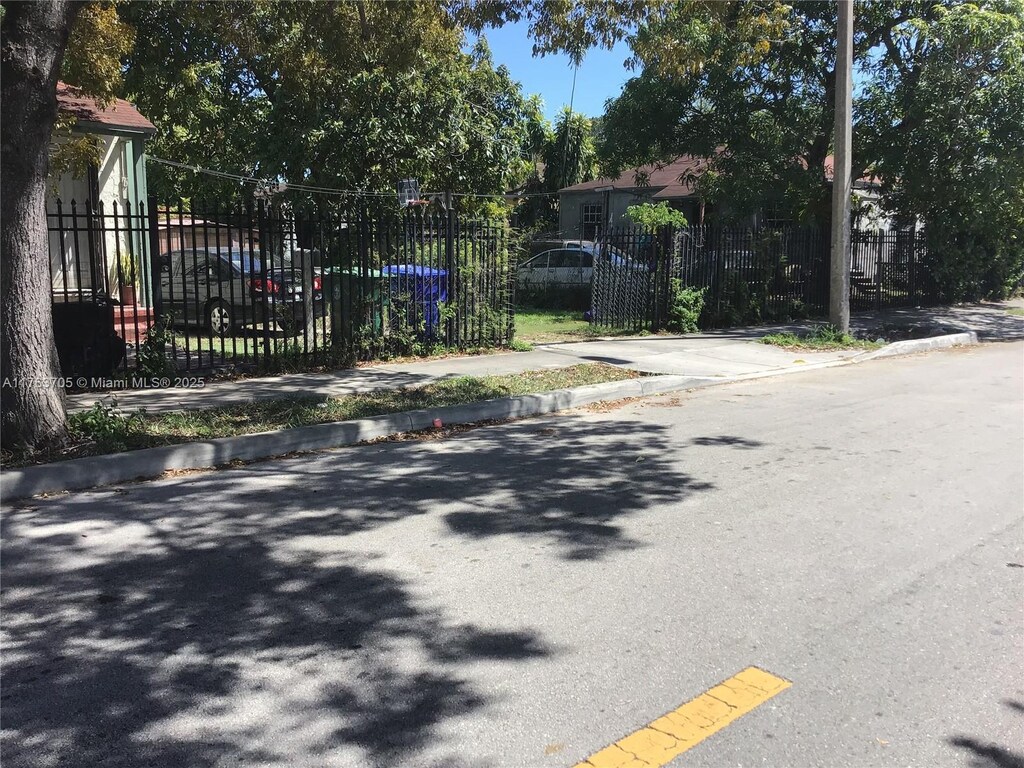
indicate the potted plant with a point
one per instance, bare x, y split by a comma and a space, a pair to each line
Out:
129, 278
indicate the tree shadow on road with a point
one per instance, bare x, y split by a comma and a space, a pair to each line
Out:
177, 656
223, 616
987, 755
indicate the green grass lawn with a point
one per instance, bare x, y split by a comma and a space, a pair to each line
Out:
548, 325
1018, 311
103, 429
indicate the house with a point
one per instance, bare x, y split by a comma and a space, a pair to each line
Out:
101, 236
587, 207
179, 231
98, 236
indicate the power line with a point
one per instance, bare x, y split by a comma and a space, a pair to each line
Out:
255, 180
328, 190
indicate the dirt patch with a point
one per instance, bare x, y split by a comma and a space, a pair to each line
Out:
607, 406
437, 433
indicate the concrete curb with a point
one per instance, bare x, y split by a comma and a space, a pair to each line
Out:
913, 346
77, 474
894, 349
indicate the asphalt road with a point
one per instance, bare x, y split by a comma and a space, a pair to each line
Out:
525, 595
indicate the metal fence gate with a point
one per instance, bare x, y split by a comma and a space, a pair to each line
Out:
258, 287
748, 276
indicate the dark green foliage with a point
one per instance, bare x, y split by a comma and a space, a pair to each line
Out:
684, 308
105, 426
151, 355
341, 95
941, 122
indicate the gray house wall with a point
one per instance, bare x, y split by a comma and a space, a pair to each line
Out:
570, 208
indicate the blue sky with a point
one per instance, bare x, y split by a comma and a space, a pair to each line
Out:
600, 77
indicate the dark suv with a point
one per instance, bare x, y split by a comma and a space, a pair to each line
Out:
224, 289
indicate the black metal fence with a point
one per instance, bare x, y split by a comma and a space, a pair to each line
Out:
888, 270
99, 265
266, 288
747, 276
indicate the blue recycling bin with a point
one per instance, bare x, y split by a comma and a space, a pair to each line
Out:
417, 290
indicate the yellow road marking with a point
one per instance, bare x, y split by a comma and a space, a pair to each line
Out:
664, 739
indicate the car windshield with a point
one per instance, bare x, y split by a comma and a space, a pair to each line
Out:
249, 262
614, 255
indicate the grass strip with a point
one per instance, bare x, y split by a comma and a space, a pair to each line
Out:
104, 429
822, 337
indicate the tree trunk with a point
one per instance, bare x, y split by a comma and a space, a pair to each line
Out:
35, 36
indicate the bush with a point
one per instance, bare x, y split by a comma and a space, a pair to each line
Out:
151, 356
106, 426
684, 308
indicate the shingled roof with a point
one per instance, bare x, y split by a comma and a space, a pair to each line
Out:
663, 180
666, 181
120, 115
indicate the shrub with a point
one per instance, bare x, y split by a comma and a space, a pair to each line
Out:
685, 307
651, 216
106, 426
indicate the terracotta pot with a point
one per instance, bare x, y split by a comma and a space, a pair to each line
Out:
128, 295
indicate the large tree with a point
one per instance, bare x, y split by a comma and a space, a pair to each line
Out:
562, 155
344, 95
353, 94
35, 36
41, 42
751, 87
941, 122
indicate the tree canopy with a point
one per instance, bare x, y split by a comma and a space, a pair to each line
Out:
941, 124
751, 86
564, 155
342, 95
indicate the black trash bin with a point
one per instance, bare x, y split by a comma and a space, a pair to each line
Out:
86, 342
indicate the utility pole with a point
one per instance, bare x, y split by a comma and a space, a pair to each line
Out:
839, 294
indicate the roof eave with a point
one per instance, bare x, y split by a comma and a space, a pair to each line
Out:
106, 129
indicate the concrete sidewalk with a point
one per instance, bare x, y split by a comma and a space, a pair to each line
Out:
711, 355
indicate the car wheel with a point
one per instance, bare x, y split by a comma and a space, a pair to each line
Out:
219, 318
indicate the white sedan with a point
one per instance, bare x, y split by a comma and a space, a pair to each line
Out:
565, 267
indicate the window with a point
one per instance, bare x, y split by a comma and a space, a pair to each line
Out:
564, 258
538, 262
774, 217
198, 267
591, 220
176, 261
